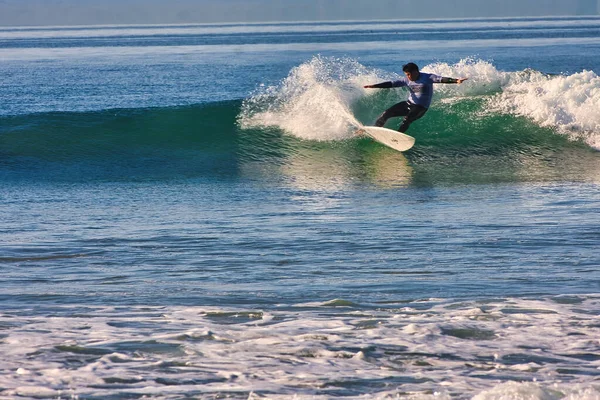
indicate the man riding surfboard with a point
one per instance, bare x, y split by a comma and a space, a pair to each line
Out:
420, 87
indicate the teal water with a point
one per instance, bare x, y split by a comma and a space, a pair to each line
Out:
186, 212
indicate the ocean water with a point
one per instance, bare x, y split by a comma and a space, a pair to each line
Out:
185, 212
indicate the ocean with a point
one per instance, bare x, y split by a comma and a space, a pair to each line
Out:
186, 212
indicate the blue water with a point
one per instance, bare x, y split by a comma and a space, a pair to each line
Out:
187, 213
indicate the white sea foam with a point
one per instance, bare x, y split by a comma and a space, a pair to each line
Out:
569, 103
313, 102
489, 350
483, 77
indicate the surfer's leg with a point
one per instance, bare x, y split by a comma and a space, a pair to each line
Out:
415, 112
397, 110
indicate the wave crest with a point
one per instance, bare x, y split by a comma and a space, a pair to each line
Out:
313, 102
323, 98
570, 104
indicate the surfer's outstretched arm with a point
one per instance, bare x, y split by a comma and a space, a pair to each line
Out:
382, 85
453, 80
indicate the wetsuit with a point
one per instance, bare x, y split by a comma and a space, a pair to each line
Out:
419, 99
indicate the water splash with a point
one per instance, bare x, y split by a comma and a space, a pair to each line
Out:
313, 102
570, 104
484, 77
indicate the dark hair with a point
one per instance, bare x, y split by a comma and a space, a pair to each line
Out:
410, 67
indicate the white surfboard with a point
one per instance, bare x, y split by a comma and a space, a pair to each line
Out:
394, 139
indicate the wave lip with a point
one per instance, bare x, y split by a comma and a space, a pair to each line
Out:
571, 104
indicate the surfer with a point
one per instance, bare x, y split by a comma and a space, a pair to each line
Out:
420, 86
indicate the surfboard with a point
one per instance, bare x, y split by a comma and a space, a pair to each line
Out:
394, 139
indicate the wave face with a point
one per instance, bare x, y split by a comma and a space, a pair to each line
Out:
536, 126
157, 143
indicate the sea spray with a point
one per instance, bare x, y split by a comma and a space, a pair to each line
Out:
483, 77
570, 104
313, 102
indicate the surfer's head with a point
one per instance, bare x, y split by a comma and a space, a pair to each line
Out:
411, 70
